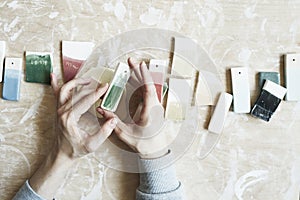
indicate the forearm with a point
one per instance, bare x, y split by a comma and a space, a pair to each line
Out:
49, 177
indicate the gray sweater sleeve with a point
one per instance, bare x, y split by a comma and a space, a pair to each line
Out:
158, 180
26, 193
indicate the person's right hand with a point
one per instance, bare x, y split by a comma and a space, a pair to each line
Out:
145, 136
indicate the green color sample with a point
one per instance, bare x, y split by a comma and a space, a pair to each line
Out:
38, 68
112, 97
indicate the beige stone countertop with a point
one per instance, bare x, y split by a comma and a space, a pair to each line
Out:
252, 160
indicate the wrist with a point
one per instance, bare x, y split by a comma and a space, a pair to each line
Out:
51, 173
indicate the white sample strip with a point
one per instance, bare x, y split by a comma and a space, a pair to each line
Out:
2, 55
217, 120
12, 79
203, 94
240, 89
179, 98
157, 69
114, 93
77, 50
275, 89
181, 66
292, 76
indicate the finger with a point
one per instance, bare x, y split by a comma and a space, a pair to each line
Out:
54, 84
67, 89
80, 94
134, 65
83, 106
121, 126
147, 78
94, 141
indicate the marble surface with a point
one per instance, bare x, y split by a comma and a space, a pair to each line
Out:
252, 160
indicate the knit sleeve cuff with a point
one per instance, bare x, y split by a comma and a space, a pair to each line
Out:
158, 175
26, 192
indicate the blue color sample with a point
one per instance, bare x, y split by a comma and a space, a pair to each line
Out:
11, 85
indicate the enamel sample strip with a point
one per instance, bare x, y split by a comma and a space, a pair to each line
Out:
240, 89
114, 93
217, 120
2, 55
179, 98
268, 101
38, 67
292, 76
157, 69
12, 79
74, 54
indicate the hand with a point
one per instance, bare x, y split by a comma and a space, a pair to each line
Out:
145, 136
72, 112
72, 141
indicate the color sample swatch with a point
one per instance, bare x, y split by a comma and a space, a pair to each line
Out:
240, 89
38, 67
217, 120
179, 98
74, 55
12, 79
268, 101
292, 76
180, 65
271, 76
157, 69
114, 93
2, 55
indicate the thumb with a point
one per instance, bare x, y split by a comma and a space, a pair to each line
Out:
95, 141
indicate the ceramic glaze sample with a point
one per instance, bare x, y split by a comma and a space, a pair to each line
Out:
218, 118
179, 98
157, 69
271, 76
268, 101
114, 93
240, 89
74, 55
12, 79
38, 67
292, 74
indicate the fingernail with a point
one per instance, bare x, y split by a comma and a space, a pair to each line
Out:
100, 111
113, 122
133, 60
144, 64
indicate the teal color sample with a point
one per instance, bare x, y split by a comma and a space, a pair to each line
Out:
271, 76
38, 68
